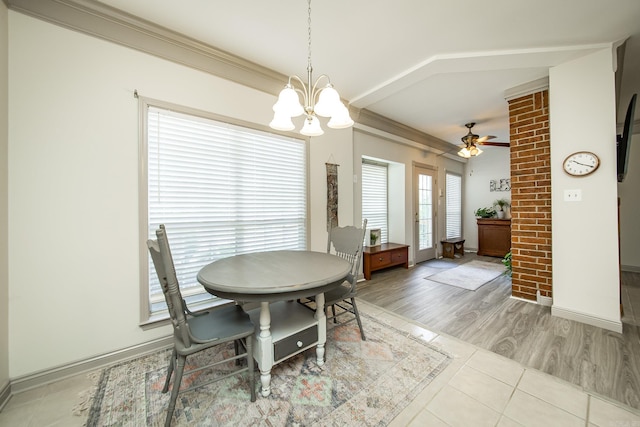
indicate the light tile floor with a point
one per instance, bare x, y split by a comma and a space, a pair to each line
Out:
478, 388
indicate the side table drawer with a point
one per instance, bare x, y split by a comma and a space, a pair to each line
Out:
399, 256
380, 260
295, 342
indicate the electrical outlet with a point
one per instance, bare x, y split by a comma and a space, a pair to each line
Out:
572, 195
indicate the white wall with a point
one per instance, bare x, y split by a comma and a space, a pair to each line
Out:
585, 234
335, 146
4, 275
492, 164
73, 186
629, 193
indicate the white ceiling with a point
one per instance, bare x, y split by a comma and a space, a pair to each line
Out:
431, 65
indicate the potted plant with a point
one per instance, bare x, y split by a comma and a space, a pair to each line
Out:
501, 205
506, 261
485, 212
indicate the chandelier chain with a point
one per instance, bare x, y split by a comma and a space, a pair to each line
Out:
309, 35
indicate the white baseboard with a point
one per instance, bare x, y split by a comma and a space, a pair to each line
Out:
530, 301
587, 318
47, 376
5, 394
546, 301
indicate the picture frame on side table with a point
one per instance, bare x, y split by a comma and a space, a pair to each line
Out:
374, 237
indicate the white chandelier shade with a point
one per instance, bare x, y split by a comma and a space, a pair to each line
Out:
281, 121
311, 127
341, 119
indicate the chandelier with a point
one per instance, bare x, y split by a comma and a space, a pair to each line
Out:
469, 149
318, 100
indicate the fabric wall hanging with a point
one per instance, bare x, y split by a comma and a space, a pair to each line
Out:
332, 195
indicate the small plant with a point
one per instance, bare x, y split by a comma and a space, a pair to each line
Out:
506, 261
501, 204
374, 238
485, 212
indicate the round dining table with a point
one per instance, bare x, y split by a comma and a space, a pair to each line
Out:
275, 279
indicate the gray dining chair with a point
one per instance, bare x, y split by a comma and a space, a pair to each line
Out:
195, 332
347, 243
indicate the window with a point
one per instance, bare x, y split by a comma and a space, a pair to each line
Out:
453, 212
374, 196
221, 190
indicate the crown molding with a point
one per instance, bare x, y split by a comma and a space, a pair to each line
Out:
527, 88
107, 23
382, 123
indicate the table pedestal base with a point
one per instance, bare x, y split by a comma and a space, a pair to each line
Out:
284, 330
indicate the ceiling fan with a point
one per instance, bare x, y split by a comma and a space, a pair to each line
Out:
472, 141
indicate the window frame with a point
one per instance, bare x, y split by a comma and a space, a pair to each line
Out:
147, 317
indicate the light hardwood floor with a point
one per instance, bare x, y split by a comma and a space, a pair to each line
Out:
595, 359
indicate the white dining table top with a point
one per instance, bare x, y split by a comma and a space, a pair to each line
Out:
274, 275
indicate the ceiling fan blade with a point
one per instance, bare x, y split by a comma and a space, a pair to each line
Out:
496, 144
485, 138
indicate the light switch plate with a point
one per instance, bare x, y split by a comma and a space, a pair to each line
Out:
573, 195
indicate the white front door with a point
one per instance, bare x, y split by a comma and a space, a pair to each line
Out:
424, 213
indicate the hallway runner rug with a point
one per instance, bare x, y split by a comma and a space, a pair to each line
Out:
362, 383
470, 275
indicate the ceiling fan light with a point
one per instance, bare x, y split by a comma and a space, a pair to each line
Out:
341, 119
328, 102
311, 127
288, 102
464, 152
281, 121
478, 152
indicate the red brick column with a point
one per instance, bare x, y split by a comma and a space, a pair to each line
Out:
530, 195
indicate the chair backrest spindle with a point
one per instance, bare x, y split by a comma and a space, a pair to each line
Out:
163, 262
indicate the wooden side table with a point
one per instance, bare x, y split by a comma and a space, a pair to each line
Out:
494, 237
383, 256
451, 247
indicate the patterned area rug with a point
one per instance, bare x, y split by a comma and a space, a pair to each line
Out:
470, 275
363, 383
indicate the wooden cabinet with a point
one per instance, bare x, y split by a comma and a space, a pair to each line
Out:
383, 256
494, 237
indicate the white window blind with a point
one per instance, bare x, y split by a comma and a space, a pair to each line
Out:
220, 190
374, 197
453, 205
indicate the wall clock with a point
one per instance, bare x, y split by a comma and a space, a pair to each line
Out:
581, 163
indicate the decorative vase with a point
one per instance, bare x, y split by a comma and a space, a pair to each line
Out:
500, 214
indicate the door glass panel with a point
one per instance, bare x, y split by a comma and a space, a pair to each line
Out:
425, 212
